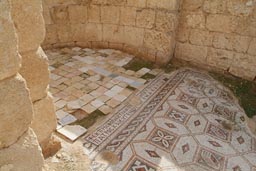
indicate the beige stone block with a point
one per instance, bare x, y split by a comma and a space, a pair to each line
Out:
166, 21
128, 16
35, 71
9, 58
200, 37
240, 7
110, 14
58, 2
116, 2
25, 154
51, 34
163, 58
44, 122
190, 52
28, 18
87, 32
194, 20
192, 5
182, 34
222, 41
214, 6
219, 58
59, 14
113, 33
244, 66
64, 33
94, 13
240, 43
77, 13
137, 3
246, 26
165, 4
252, 47
158, 40
133, 36
16, 110
145, 18
221, 23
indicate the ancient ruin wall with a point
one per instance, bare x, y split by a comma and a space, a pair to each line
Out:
142, 27
19, 148
220, 34
27, 111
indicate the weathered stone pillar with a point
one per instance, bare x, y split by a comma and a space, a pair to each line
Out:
29, 23
19, 148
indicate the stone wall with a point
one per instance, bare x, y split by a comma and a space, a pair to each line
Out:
145, 28
24, 79
219, 34
30, 27
19, 148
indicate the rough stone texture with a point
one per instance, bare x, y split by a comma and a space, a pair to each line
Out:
224, 30
118, 24
44, 122
16, 110
24, 155
29, 22
35, 71
9, 59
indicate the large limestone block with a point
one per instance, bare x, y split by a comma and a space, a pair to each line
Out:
190, 52
240, 7
214, 6
252, 47
145, 18
133, 36
35, 71
59, 14
221, 23
158, 40
24, 155
194, 20
128, 16
9, 58
192, 4
200, 37
86, 32
244, 66
44, 121
51, 34
110, 14
113, 33
166, 21
219, 58
137, 3
16, 110
77, 13
165, 4
94, 13
29, 23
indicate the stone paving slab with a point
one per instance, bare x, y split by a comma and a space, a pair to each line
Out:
90, 80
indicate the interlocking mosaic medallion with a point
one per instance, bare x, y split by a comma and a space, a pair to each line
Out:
162, 139
138, 165
218, 132
210, 159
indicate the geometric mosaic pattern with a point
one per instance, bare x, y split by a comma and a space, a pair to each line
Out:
177, 126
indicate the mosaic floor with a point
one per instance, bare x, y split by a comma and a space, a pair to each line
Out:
181, 122
184, 121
